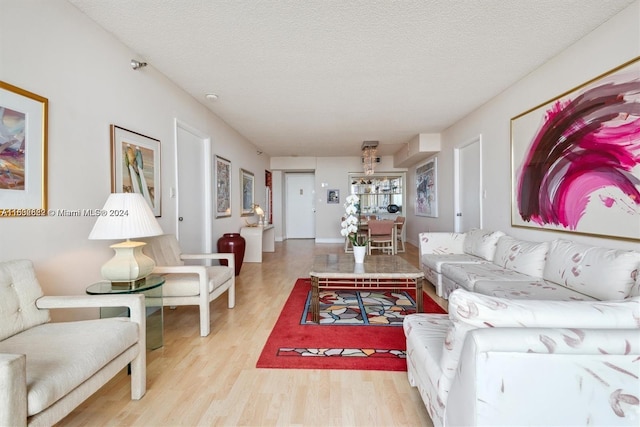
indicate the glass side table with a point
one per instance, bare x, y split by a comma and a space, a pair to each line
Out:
152, 291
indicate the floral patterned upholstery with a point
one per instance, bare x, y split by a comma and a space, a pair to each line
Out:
495, 350
438, 249
557, 270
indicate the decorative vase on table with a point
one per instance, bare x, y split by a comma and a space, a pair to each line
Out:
232, 243
358, 253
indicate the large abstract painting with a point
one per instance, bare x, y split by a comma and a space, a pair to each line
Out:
576, 159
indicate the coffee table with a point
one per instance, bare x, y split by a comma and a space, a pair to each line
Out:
339, 271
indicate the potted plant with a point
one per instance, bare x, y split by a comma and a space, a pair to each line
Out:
351, 227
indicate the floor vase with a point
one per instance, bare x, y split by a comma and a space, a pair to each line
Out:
232, 243
359, 253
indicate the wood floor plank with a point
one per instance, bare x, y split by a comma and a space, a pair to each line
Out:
213, 381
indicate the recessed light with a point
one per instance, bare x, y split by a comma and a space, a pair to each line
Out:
211, 96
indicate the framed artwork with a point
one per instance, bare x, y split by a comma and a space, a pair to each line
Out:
223, 187
23, 152
333, 196
135, 165
427, 189
247, 192
575, 160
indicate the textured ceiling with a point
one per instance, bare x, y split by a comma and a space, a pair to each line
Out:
318, 77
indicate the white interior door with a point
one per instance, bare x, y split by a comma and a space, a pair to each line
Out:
193, 196
300, 216
468, 186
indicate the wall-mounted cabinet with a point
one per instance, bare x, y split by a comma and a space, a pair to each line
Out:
381, 194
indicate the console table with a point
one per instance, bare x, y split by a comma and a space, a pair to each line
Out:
258, 240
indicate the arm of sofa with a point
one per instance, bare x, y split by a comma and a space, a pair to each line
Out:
135, 303
441, 243
547, 376
13, 389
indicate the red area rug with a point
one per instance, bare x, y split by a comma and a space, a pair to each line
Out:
376, 343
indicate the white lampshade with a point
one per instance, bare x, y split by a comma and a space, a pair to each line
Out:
125, 216
258, 210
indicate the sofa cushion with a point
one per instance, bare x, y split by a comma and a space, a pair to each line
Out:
606, 274
481, 243
521, 256
466, 275
19, 289
426, 332
188, 284
535, 289
80, 349
435, 262
469, 310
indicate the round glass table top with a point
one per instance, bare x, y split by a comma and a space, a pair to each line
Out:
107, 287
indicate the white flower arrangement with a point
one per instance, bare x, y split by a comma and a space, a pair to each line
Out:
351, 223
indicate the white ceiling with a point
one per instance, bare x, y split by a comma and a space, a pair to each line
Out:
318, 77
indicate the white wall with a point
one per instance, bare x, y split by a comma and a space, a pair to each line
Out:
49, 48
330, 173
612, 44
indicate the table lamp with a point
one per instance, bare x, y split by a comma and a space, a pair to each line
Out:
258, 210
126, 216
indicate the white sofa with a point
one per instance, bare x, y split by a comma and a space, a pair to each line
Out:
47, 369
493, 263
510, 362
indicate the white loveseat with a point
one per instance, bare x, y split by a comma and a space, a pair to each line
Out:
503, 362
47, 369
493, 263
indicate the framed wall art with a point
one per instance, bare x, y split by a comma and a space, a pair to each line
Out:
247, 182
223, 187
427, 189
23, 152
135, 165
333, 196
575, 160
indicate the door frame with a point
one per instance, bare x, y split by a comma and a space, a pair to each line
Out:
457, 191
207, 181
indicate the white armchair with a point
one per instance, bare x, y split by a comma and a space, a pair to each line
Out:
191, 284
47, 369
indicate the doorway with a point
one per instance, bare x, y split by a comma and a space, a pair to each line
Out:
468, 185
193, 196
300, 209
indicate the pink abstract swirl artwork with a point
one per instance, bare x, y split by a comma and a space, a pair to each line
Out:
584, 145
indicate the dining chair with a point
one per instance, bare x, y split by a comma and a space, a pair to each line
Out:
382, 236
399, 235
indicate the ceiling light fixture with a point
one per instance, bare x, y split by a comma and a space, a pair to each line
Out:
135, 64
211, 96
369, 157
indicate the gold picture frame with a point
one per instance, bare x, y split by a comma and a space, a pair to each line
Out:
23, 152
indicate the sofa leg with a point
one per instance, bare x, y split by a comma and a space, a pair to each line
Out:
232, 296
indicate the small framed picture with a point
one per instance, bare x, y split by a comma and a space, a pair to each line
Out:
333, 196
247, 189
223, 187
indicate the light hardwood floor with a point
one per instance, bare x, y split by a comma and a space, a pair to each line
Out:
213, 381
